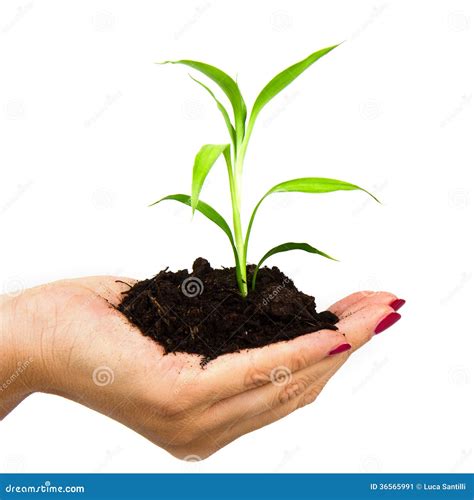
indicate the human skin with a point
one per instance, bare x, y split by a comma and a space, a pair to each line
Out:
66, 338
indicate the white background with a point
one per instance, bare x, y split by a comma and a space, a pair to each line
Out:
91, 131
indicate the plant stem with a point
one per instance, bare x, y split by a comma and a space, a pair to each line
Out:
241, 267
241, 245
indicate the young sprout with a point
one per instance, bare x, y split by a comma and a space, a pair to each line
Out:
240, 130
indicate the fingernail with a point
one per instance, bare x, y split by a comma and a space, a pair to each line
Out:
387, 322
341, 348
397, 303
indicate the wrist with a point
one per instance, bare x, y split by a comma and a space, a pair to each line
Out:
19, 359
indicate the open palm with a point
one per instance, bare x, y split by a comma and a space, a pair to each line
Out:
91, 354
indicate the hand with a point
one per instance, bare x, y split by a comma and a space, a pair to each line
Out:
80, 347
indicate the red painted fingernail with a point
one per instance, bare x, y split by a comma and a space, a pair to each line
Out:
387, 322
341, 348
397, 303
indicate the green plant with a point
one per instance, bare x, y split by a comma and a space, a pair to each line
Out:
240, 131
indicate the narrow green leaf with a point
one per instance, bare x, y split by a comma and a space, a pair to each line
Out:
244, 107
305, 185
203, 163
205, 209
285, 247
282, 80
212, 215
221, 108
228, 86
315, 185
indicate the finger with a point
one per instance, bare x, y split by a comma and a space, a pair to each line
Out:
339, 307
234, 373
361, 326
262, 399
217, 439
221, 435
385, 298
244, 415
358, 329
239, 427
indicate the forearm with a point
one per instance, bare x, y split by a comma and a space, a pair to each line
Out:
15, 360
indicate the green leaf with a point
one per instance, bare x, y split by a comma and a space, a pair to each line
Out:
221, 108
203, 163
285, 247
315, 185
282, 80
228, 86
305, 185
205, 209
211, 214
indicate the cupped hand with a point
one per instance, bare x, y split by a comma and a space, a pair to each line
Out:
82, 348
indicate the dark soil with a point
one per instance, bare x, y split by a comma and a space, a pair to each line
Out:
203, 312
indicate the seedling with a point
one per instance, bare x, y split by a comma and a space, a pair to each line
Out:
240, 130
